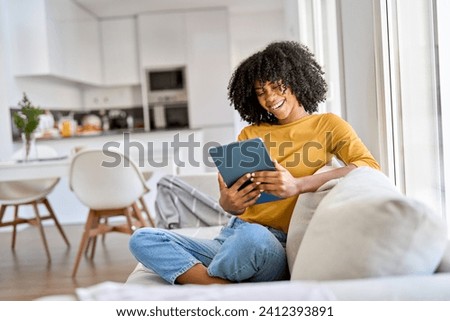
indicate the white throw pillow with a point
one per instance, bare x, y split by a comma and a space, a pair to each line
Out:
444, 266
365, 228
304, 210
301, 217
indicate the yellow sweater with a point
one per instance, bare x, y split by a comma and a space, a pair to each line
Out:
302, 147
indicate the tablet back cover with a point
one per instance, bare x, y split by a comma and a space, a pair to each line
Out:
239, 158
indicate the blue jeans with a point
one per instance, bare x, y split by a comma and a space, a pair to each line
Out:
241, 252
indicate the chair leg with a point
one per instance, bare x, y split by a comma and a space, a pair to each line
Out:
88, 245
128, 215
138, 215
105, 221
94, 238
93, 247
2, 212
16, 214
52, 214
145, 208
86, 235
41, 229
14, 234
92, 241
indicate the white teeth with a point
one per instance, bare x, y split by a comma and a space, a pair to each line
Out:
278, 105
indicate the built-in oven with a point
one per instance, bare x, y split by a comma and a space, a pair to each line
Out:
169, 116
167, 97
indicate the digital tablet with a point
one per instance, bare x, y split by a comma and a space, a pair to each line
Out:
239, 158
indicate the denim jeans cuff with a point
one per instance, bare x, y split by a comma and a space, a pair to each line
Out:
183, 270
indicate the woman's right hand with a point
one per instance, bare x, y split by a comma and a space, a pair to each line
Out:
235, 201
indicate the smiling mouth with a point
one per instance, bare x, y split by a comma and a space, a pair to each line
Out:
278, 105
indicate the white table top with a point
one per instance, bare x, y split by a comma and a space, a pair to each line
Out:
13, 170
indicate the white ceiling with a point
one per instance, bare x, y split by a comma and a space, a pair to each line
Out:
118, 8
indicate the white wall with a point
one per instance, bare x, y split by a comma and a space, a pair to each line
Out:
5, 76
359, 70
250, 32
46, 92
316, 24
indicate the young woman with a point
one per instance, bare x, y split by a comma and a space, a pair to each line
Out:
276, 90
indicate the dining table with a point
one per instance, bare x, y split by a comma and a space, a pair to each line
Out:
14, 170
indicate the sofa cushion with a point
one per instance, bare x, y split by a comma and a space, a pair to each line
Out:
143, 275
304, 210
444, 266
364, 228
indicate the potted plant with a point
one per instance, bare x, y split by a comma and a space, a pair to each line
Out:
27, 120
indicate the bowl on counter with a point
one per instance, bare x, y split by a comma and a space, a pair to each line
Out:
90, 125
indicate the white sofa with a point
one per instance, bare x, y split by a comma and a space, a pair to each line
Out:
356, 238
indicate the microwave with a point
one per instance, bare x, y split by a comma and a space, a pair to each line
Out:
166, 85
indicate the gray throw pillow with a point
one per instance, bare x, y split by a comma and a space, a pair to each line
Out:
364, 227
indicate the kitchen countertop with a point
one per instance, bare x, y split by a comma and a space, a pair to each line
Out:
109, 133
96, 134
58, 167
154, 139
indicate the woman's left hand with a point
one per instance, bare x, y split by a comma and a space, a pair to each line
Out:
279, 183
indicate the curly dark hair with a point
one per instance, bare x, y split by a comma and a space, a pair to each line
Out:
288, 61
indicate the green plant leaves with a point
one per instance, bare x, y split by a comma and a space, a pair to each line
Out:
27, 119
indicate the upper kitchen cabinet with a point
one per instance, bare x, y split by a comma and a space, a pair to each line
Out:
199, 41
162, 39
55, 38
119, 48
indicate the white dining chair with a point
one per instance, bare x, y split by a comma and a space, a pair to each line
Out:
32, 192
108, 190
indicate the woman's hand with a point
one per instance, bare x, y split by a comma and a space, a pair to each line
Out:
279, 182
235, 201
282, 184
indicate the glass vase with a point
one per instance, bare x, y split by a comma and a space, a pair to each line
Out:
29, 147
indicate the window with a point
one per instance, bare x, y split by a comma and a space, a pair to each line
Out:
410, 101
442, 25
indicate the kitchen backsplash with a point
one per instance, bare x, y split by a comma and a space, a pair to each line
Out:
58, 123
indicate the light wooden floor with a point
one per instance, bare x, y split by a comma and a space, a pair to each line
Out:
25, 274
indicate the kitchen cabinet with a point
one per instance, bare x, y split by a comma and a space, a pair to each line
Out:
162, 39
199, 41
55, 38
112, 97
119, 51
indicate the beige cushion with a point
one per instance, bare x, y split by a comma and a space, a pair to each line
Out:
365, 228
304, 210
444, 266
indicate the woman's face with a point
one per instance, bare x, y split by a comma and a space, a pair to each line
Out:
279, 100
